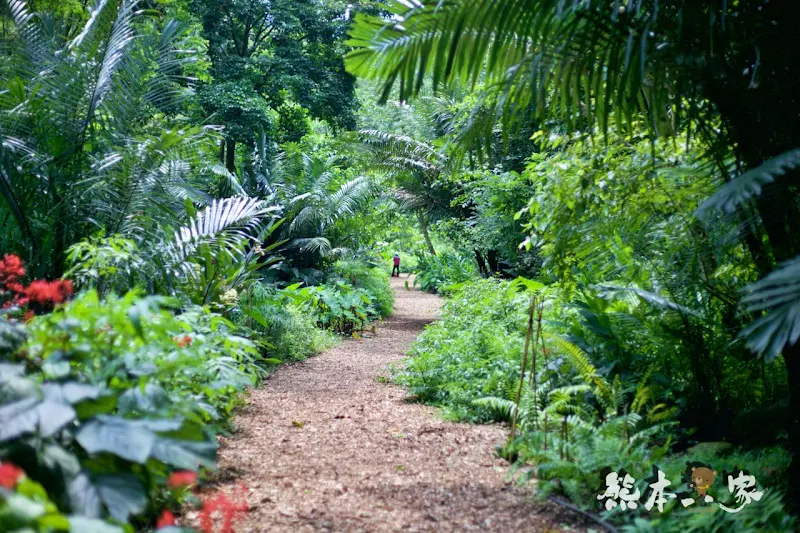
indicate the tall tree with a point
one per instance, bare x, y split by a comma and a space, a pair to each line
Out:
267, 54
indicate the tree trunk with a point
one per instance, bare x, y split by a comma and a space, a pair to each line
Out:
222, 151
423, 224
491, 256
481, 262
230, 156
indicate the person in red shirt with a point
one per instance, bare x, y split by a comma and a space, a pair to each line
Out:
396, 265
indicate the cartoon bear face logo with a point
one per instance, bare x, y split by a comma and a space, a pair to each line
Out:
702, 479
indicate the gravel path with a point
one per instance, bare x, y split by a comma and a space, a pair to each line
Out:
326, 445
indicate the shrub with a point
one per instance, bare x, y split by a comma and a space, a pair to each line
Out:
101, 401
372, 279
288, 332
578, 421
337, 306
442, 272
473, 351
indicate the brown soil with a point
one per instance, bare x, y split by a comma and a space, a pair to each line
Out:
327, 445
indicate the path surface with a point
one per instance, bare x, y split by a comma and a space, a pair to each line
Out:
327, 446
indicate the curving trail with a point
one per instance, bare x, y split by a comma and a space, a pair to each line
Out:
327, 446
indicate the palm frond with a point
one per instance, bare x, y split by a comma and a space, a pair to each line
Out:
777, 299
649, 297
730, 197
504, 407
588, 63
229, 223
148, 179
31, 42
320, 245
350, 196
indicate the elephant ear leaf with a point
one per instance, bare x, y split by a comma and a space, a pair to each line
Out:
184, 454
83, 496
81, 524
31, 415
18, 418
53, 416
123, 495
117, 436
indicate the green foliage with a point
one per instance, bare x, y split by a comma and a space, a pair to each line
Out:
29, 508
363, 275
106, 398
75, 149
274, 64
287, 332
443, 272
104, 263
472, 352
215, 254
322, 198
240, 107
129, 341
767, 465
339, 307
576, 421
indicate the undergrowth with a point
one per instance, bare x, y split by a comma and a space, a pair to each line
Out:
575, 422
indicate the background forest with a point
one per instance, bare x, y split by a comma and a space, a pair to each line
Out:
193, 192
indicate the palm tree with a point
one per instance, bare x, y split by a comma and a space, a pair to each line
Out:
415, 167
723, 71
75, 152
316, 193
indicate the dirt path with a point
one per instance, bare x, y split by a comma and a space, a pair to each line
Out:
326, 446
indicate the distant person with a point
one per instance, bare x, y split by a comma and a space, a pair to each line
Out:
396, 266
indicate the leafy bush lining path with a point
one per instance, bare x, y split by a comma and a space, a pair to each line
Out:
326, 446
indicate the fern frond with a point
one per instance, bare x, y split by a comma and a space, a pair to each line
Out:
506, 408
778, 294
744, 188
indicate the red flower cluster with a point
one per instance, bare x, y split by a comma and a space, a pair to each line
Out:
182, 342
181, 478
11, 269
44, 293
222, 509
41, 295
166, 519
9, 475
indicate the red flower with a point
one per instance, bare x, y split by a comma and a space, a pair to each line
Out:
14, 286
43, 292
182, 342
225, 510
181, 478
10, 474
166, 519
11, 269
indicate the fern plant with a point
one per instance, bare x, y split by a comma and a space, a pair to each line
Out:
572, 431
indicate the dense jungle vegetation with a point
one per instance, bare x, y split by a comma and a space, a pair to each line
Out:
605, 192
